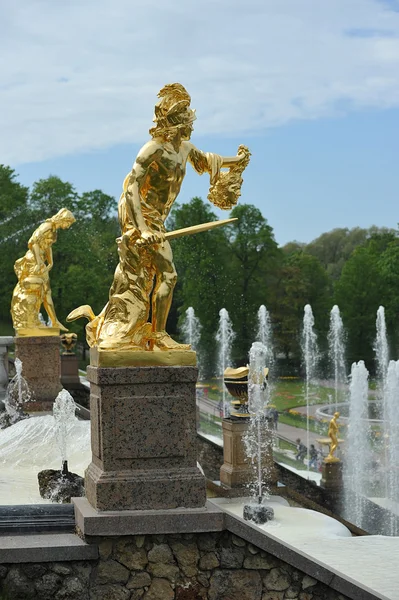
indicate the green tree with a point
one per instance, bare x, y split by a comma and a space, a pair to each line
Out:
203, 281
302, 280
16, 219
51, 194
358, 295
335, 247
254, 262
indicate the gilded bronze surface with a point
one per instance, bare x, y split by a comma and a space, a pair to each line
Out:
68, 342
236, 382
33, 287
333, 435
146, 276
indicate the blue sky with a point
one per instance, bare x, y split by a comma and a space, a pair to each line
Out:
311, 86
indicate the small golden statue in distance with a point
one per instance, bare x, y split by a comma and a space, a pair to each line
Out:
33, 287
333, 435
68, 341
146, 270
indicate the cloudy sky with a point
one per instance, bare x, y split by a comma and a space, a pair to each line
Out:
312, 86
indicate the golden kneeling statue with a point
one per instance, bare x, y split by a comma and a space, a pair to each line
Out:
33, 287
333, 435
146, 273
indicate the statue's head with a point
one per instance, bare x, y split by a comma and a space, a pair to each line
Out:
173, 113
336, 415
63, 219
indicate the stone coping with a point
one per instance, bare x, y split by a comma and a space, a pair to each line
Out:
310, 565
54, 547
6, 340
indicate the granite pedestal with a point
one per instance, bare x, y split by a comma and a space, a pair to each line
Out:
69, 370
143, 439
41, 365
236, 470
331, 477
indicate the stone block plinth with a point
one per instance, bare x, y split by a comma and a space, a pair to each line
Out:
41, 365
236, 470
331, 477
143, 439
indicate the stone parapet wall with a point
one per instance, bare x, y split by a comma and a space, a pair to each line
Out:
203, 566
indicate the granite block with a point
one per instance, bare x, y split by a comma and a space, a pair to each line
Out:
143, 425
145, 488
146, 522
41, 365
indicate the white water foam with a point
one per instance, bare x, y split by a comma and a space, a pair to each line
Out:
30, 446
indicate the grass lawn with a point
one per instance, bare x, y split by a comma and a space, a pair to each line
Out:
286, 393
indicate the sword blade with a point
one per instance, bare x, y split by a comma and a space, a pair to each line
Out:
171, 235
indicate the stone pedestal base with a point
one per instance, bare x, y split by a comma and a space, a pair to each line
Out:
235, 471
143, 439
69, 370
331, 477
41, 365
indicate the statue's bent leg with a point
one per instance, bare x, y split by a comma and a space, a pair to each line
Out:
165, 282
49, 307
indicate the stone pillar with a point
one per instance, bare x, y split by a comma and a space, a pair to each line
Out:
235, 471
69, 370
143, 439
5, 341
331, 477
41, 365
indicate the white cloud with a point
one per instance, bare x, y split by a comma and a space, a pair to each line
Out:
84, 74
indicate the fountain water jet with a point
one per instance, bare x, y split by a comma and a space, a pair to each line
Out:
64, 414
336, 351
391, 441
381, 349
258, 438
264, 334
310, 355
191, 331
17, 395
224, 337
358, 456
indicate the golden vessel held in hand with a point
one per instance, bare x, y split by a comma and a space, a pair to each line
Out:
146, 276
33, 287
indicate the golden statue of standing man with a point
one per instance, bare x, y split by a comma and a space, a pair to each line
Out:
33, 287
146, 272
333, 435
